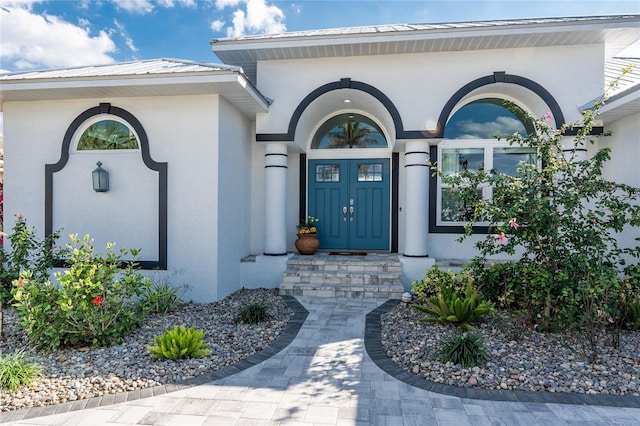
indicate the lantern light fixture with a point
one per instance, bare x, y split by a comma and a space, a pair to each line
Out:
100, 179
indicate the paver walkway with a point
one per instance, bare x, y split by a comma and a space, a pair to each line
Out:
325, 376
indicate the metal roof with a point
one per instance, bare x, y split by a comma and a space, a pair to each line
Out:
155, 77
613, 70
615, 32
623, 99
144, 67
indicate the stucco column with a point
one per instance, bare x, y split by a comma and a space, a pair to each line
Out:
416, 206
275, 191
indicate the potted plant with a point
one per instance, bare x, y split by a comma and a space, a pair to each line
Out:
307, 242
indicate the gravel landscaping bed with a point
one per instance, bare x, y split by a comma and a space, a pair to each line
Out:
73, 374
518, 357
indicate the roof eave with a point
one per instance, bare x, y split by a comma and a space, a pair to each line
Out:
121, 86
617, 107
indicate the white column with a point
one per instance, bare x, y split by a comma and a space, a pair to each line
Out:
275, 160
416, 205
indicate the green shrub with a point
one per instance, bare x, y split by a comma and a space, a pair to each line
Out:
27, 253
160, 298
16, 370
466, 349
632, 318
179, 343
92, 304
449, 307
436, 279
253, 313
505, 284
630, 298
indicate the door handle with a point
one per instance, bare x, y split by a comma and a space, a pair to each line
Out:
344, 214
351, 209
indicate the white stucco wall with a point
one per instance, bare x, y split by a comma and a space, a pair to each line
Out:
182, 131
129, 209
234, 196
419, 85
624, 143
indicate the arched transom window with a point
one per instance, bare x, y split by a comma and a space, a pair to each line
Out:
474, 139
349, 130
107, 135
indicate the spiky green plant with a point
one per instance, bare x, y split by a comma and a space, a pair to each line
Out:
466, 349
254, 313
16, 370
179, 343
449, 307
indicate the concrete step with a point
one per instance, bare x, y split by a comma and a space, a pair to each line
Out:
324, 275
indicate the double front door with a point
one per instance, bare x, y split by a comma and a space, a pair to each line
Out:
351, 199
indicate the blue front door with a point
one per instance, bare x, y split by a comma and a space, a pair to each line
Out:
351, 199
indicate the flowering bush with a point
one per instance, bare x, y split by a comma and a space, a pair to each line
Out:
27, 253
307, 226
563, 217
93, 303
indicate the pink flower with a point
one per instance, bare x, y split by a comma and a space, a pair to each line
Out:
611, 321
514, 224
613, 188
593, 221
97, 300
501, 238
602, 313
548, 116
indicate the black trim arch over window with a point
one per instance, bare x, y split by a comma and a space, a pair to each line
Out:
349, 130
401, 133
161, 168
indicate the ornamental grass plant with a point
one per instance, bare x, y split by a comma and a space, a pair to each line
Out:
17, 369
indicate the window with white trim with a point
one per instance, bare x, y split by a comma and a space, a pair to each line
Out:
107, 134
470, 144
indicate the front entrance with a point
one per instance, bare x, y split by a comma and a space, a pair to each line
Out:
351, 199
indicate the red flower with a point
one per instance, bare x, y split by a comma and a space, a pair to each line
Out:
97, 300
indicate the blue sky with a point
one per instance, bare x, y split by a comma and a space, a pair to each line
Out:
44, 34
60, 33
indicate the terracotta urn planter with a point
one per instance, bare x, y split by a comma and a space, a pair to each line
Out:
307, 243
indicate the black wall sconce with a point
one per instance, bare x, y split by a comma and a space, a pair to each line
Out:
100, 179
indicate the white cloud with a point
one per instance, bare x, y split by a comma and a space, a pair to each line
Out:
29, 41
253, 16
134, 6
221, 4
125, 35
20, 3
470, 129
171, 3
217, 26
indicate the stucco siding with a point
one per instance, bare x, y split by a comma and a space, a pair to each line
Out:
419, 85
182, 131
234, 196
623, 166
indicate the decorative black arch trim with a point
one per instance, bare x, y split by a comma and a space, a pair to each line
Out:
161, 168
343, 83
499, 77
401, 133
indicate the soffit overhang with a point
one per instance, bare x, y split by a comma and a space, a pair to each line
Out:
615, 32
233, 86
